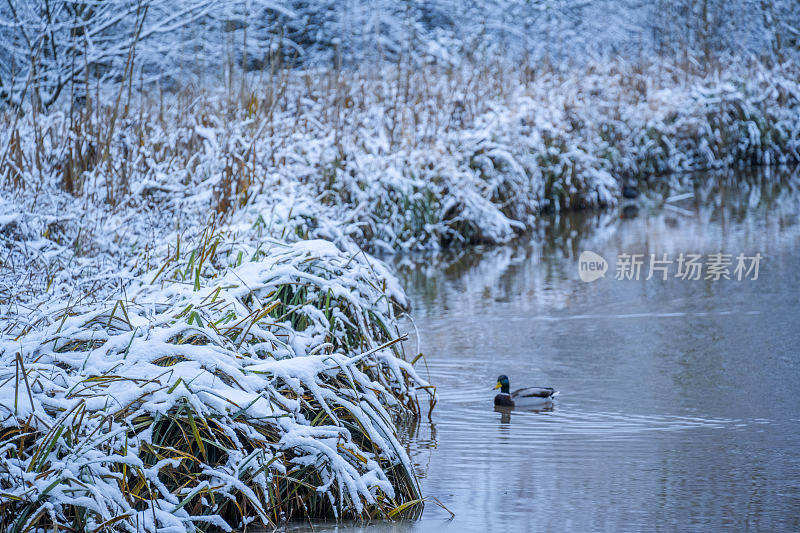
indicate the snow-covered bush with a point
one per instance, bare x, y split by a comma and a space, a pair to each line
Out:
232, 385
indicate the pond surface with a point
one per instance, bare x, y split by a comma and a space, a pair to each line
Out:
678, 404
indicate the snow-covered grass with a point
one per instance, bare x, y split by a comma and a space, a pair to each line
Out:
192, 329
403, 158
232, 384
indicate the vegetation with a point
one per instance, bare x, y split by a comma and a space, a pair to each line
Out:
236, 386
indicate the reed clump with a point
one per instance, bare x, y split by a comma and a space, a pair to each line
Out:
231, 387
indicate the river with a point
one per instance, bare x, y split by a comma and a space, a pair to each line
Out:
678, 404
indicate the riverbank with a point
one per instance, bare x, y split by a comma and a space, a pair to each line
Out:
402, 159
190, 314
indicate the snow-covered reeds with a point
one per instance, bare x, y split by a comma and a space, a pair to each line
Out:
232, 385
409, 157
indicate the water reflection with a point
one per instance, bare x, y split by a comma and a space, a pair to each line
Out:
506, 412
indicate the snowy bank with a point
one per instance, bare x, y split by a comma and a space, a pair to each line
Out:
406, 158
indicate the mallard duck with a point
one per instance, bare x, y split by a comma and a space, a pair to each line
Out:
526, 396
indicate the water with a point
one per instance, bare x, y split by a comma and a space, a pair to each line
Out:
678, 401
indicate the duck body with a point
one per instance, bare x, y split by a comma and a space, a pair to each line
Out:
527, 396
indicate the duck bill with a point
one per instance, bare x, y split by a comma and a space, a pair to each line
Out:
497, 386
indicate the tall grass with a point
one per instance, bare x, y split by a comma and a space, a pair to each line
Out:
408, 157
231, 386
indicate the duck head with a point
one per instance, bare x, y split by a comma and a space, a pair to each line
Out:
502, 384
